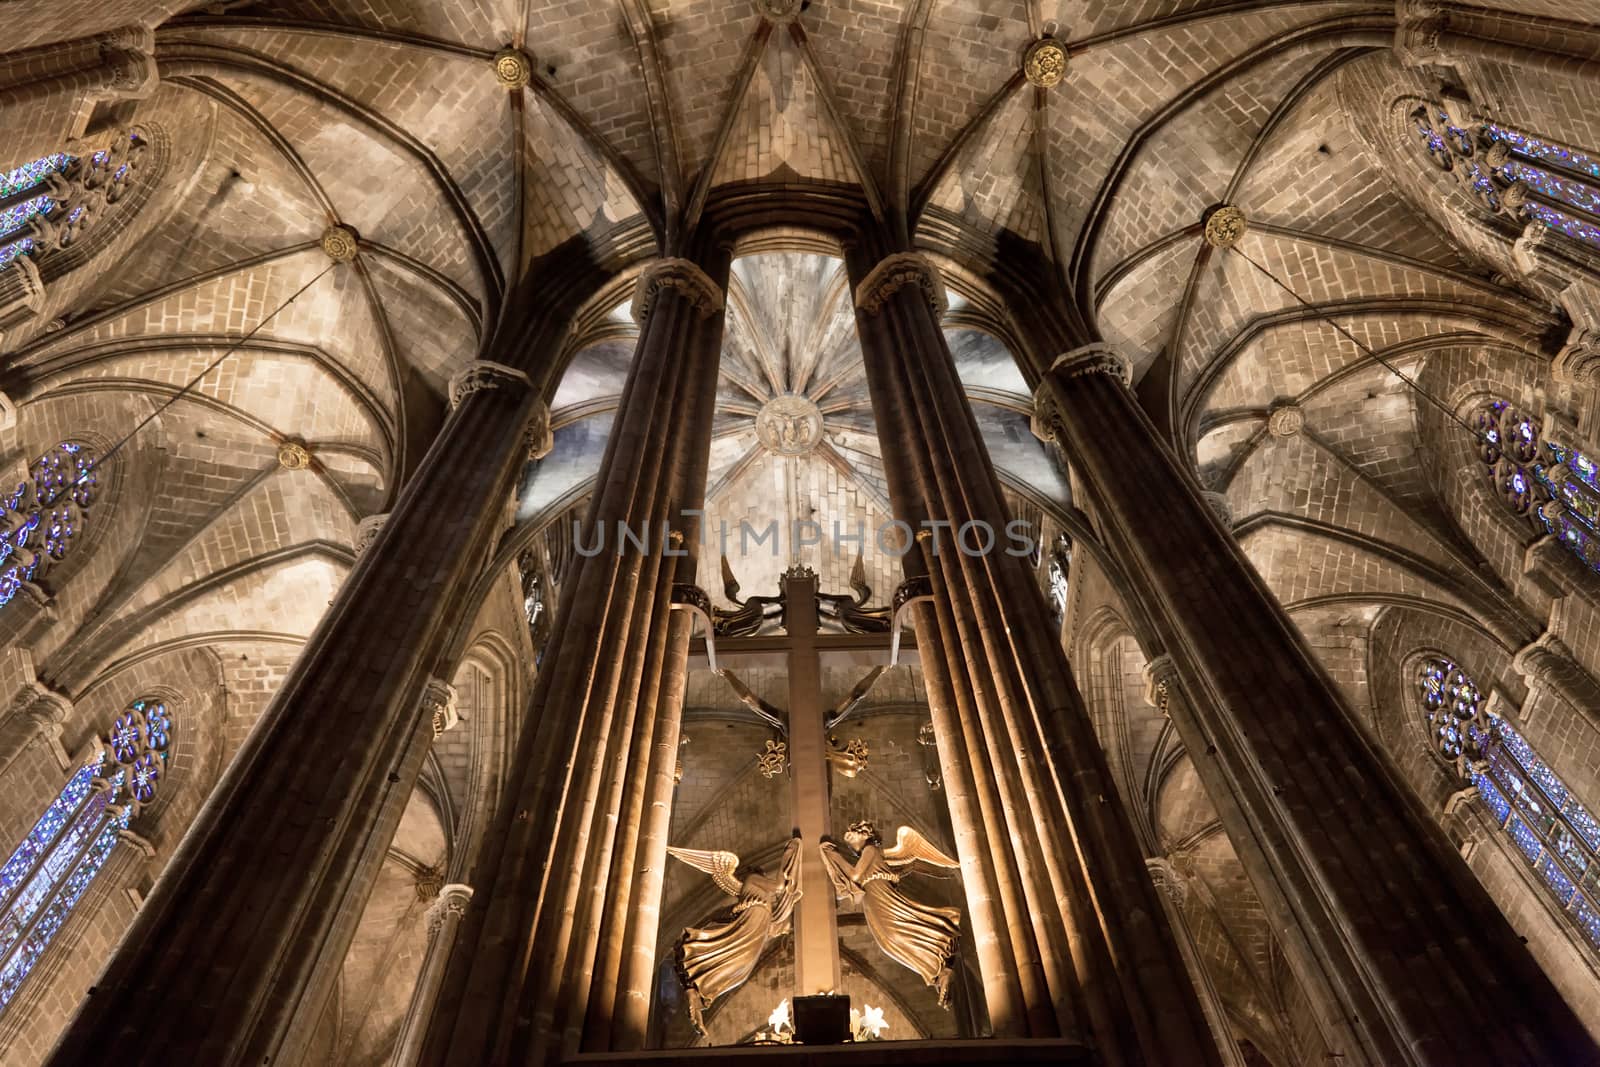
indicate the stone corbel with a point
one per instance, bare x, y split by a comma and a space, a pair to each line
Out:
1550, 567
1419, 26
682, 277
1548, 663
895, 272
129, 53
481, 375
1169, 880
21, 294
439, 705
541, 438
30, 612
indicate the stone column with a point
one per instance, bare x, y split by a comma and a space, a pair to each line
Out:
238, 946
444, 918
1088, 942
540, 964
1403, 931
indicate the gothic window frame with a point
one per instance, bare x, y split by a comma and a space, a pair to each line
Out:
45, 520
53, 200
53, 868
1507, 174
1551, 835
1541, 472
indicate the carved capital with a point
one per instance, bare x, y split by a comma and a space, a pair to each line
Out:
894, 273
1094, 359
451, 901
1419, 25
512, 68
1043, 421
439, 704
1218, 503
481, 375
1160, 682
541, 438
1578, 362
340, 243
367, 530
682, 277
1286, 420
1169, 880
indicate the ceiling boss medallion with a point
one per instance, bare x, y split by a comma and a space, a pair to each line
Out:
1045, 63
512, 68
1225, 226
789, 425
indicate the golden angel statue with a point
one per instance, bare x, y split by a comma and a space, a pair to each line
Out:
917, 935
716, 958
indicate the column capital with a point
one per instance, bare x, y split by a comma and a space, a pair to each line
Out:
893, 273
1160, 681
367, 530
541, 437
482, 374
1090, 359
1168, 879
452, 900
681, 276
439, 704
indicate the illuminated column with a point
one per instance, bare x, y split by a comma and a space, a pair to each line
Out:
1391, 915
548, 953
1067, 909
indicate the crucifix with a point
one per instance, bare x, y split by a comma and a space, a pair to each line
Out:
814, 873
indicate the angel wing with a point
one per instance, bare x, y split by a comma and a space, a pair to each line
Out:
718, 864
730, 584
789, 886
910, 846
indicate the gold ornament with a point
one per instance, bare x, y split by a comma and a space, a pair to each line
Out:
340, 243
294, 456
1045, 63
512, 68
1225, 226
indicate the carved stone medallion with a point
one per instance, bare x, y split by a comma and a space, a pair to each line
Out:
789, 425
294, 456
1225, 226
340, 243
1045, 63
512, 68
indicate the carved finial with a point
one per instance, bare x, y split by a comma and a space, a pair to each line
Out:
340, 242
512, 68
1225, 224
293, 455
1045, 63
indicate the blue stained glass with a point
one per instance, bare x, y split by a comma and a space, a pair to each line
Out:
1560, 220
31, 174
49, 825
1526, 839
1535, 148
16, 216
1533, 765
1588, 920
50, 922
10, 252
50, 872
1491, 796
1585, 468
1583, 822
1554, 186
1551, 872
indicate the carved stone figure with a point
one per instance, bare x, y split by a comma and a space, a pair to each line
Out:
916, 935
714, 959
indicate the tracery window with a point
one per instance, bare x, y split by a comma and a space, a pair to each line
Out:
47, 203
1556, 484
1556, 834
56, 863
1515, 173
41, 519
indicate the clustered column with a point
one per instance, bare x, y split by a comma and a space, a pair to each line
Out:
237, 947
1399, 929
556, 950
1071, 936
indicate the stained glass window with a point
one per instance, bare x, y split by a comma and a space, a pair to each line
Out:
1556, 484
57, 861
28, 192
1555, 833
40, 519
1515, 173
